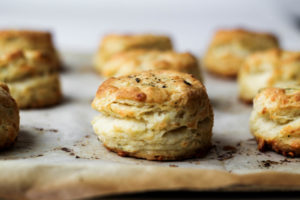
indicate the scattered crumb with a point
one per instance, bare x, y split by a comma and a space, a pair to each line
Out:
225, 156
268, 163
52, 130
229, 148
66, 149
46, 130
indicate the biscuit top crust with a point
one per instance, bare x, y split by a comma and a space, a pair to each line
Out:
9, 34
279, 105
4, 87
11, 40
141, 60
9, 105
136, 39
282, 66
160, 87
150, 92
247, 38
275, 56
116, 43
23, 64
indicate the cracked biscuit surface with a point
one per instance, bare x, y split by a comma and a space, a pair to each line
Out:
113, 43
229, 48
155, 115
271, 68
9, 123
135, 61
275, 120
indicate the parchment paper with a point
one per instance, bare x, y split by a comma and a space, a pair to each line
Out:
57, 155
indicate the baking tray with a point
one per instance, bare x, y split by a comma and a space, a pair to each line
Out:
57, 155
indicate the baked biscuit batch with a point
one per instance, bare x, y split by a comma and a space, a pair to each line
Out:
153, 105
29, 65
156, 115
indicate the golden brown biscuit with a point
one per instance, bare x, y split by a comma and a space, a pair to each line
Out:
271, 68
112, 44
155, 115
9, 123
13, 40
139, 60
229, 48
31, 77
275, 120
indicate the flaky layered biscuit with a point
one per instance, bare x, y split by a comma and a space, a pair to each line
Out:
112, 44
229, 48
155, 115
9, 115
275, 120
32, 79
272, 68
135, 61
13, 40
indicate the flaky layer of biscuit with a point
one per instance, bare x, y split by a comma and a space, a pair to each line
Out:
39, 91
147, 139
9, 115
275, 120
272, 68
112, 44
135, 61
229, 48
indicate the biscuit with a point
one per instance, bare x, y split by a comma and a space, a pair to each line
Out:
275, 120
136, 61
155, 115
271, 68
13, 40
10, 119
112, 44
32, 79
229, 48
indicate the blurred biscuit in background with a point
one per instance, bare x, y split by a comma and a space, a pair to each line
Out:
275, 120
113, 43
271, 68
10, 120
155, 115
13, 40
139, 60
32, 78
229, 48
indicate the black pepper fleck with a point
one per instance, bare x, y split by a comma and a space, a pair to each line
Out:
187, 83
137, 80
164, 86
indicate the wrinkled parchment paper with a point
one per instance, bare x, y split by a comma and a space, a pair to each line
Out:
57, 156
